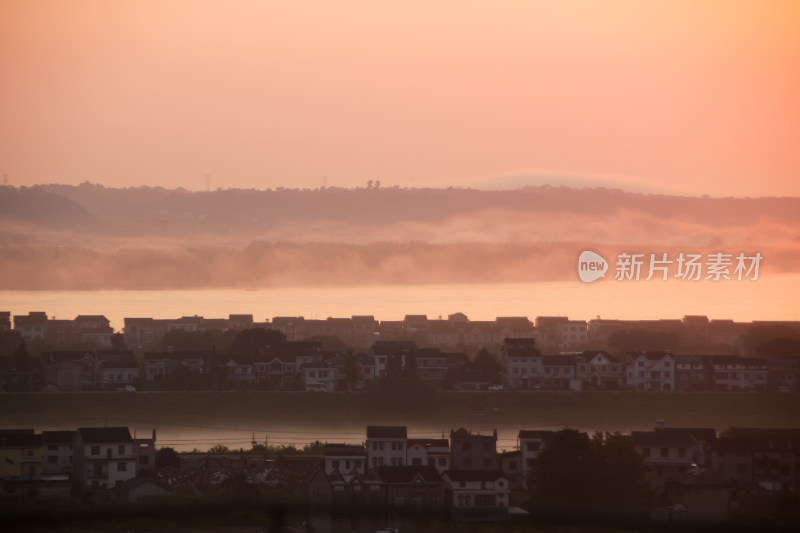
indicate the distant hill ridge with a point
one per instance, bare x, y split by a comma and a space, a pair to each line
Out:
145, 210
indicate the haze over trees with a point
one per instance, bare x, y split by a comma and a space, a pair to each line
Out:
92, 237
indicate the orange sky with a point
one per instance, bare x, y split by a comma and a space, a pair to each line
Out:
681, 97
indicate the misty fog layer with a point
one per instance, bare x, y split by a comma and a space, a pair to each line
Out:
90, 237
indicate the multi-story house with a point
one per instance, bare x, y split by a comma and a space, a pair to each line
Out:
598, 370
574, 334
558, 371
103, 457
430, 452
57, 452
20, 454
521, 364
473, 451
733, 373
783, 374
530, 442
665, 454
692, 373
69, 371
386, 446
650, 371
114, 376
159, 365
319, 377
476, 494
345, 460
31, 326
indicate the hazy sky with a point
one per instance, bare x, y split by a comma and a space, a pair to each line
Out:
687, 97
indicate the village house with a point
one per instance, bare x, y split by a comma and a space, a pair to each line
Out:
57, 452
598, 370
476, 494
103, 457
557, 372
665, 454
650, 371
159, 365
20, 454
530, 443
735, 374
68, 371
318, 377
31, 326
521, 364
512, 466
345, 460
428, 452
692, 373
473, 451
386, 446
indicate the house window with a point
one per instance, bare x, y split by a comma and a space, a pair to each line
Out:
681, 452
95, 450
442, 461
467, 461
52, 459
335, 464
52, 447
121, 449
664, 452
487, 462
512, 465
466, 446
122, 467
487, 446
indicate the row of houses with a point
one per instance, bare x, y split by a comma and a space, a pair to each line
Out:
57, 465
464, 477
89, 329
524, 367
552, 333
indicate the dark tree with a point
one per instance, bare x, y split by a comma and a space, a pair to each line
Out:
410, 373
350, 370
118, 342
575, 473
167, 457
9, 342
22, 359
249, 342
485, 366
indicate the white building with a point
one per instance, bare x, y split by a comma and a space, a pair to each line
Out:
103, 457
386, 446
476, 494
650, 371
428, 452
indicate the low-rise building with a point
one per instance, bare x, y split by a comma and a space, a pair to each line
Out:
473, 451
476, 494
386, 446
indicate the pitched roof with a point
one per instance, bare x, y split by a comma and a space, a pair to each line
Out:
661, 438
701, 434
98, 435
462, 433
475, 475
345, 450
534, 433
58, 437
387, 432
406, 474
432, 443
